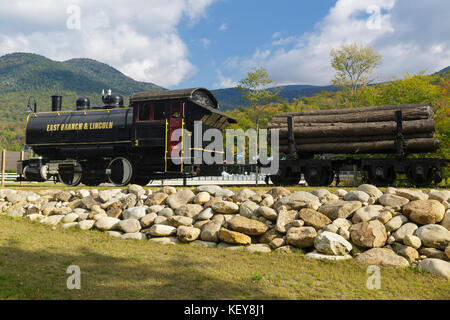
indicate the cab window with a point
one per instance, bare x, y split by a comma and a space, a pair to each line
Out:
144, 112
159, 111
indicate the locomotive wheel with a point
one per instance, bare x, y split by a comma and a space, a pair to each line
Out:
70, 175
120, 171
381, 176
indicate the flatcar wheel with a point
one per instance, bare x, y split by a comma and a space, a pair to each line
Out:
318, 176
120, 171
423, 180
70, 174
382, 177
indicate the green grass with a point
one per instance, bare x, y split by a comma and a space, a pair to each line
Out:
34, 259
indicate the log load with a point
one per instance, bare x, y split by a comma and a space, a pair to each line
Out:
359, 130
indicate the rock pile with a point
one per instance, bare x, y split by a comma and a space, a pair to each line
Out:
398, 228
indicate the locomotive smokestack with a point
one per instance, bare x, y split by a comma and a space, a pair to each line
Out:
56, 103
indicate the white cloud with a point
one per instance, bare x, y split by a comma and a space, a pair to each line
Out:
224, 82
411, 35
139, 38
223, 27
205, 42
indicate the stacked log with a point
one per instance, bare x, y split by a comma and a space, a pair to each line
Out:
359, 130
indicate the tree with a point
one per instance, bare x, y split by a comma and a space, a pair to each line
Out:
354, 65
255, 90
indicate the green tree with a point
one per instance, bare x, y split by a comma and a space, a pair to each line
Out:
255, 89
354, 65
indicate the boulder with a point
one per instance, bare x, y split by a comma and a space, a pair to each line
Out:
433, 253
107, 195
436, 266
211, 189
180, 198
156, 198
233, 237
247, 226
177, 221
134, 236
107, 223
260, 247
382, 257
268, 201
412, 241
407, 252
332, 244
188, 210
86, 224
339, 209
367, 213
278, 192
248, 209
243, 195
160, 230
202, 197
269, 213
320, 256
210, 231
405, 230
136, 189
411, 195
302, 196
224, 193
371, 190
356, 195
392, 200
134, 213
63, 196
225, 207
187, 234
368, 234
434, 236
52, 220
395, 223
284, 218
314, 218
70, 217
302, 237
424, 211
439, 195
129, 225
206, 214
447, 252
165, 240
446, 220
148, 219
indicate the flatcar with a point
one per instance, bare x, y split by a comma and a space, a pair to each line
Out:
114, 143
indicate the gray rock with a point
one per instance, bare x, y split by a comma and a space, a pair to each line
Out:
367, 213
69, 225
134, 236
368, 234
206, 214
302, 237
211, 189
439, 195
406, 229
433, 253
107, 223
412, 194
339, 209
412, 241
383, 257
177, 221
165, 240
395, 223
210, 231
224, 193
332, 244
136, 189
129, 225
268, 213
166, 212
70, 217
159, 230
434, 236
204, 243
52, 220
436, 266
148, 219
321, 256
243, 195
248, 209
134, 213
371, 190
187, 234
260, 247
86, 224
284, 218
356, 195
392, 200
225, 207
202, 197
188, 210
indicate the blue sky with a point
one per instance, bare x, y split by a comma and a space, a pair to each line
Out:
234, 28
214, 43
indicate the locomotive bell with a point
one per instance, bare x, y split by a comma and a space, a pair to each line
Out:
83, 103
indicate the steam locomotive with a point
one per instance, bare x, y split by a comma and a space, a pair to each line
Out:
114, 143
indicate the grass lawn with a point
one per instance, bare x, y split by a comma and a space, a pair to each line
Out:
34, 259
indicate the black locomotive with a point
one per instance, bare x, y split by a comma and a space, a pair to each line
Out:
114, 143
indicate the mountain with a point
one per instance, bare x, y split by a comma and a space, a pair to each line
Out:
232, 97
444, 70
32, 72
